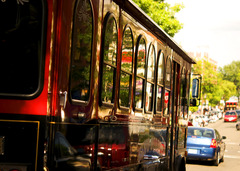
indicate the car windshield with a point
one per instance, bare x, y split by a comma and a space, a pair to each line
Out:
230, 114
200, 132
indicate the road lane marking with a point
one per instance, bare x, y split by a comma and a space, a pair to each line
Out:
231, 143
231, 157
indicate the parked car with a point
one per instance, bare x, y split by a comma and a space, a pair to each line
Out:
238, 126
205, 144
230, 116
238, 113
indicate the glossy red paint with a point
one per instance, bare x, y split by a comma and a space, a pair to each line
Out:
230, 116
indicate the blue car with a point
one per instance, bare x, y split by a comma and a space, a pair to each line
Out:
205, 144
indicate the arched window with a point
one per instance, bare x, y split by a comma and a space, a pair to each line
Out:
150, 78
81, 51
109, 60
126, 68
140, 72
160, 73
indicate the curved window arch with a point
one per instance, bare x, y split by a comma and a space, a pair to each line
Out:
81, 52
150, 78
126, 68
109, 57
160, 73
140, 72
167, 93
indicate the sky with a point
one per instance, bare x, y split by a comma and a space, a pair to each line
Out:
210, 24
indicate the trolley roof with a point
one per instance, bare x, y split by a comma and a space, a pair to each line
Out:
137, 13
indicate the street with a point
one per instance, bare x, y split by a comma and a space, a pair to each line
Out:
232, 152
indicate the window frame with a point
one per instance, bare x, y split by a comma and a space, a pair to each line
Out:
124, 71
160, 58
90, 80
168, 59
151, 81
102, 63
143, 78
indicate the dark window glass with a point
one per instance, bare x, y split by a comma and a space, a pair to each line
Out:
81, 51
109, 60
127, 51
126, 68
141, 55
151, 64
159, 98
181, 137
107, 90
187, 95
124, 99
160, 83
182, 93
140, 76
200, 132
62, 147
160, 69
20, 46
149, 96
166, 102
139, 93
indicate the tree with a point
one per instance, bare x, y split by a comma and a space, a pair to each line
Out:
209, 81
223, 90
217, 85
209, 75
231, 73
163, 14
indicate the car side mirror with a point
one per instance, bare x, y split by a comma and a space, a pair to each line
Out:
224, 137
195, 88
193, 102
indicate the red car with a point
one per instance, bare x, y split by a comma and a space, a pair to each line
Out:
230, 116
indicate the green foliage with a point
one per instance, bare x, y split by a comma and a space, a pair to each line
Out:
163, 14
193, 109
209, 75
218, 85
231, 73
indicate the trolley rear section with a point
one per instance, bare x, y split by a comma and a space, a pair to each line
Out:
23, 88
230, 105
90, 85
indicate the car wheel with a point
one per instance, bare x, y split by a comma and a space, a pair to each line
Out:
216, 162
222, 159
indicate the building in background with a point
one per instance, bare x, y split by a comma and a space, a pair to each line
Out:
202, 53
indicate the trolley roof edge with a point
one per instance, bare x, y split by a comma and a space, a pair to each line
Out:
136, 12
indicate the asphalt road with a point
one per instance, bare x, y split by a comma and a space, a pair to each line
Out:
232, 152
